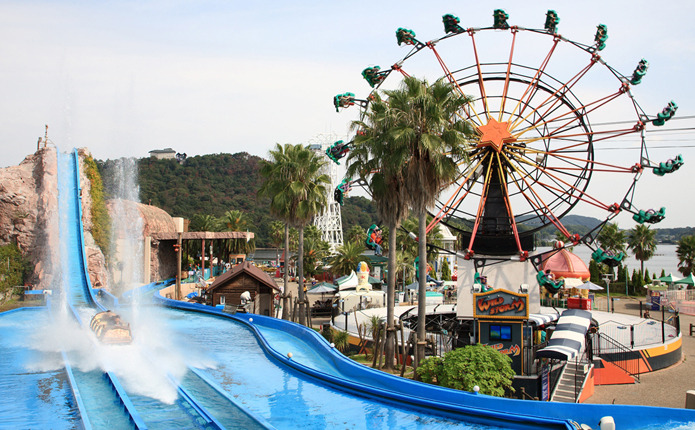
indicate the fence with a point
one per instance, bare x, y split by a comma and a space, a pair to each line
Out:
623, 357
646, 332
681, 300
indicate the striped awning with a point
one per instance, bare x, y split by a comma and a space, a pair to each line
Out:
567, 340
542, 319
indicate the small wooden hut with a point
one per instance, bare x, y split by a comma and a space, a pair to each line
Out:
228, 287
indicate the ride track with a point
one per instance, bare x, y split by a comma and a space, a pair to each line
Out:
534, 157
192, 413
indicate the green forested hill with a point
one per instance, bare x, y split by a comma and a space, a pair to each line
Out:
213, 184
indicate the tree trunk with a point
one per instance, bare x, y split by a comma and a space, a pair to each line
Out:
300, 276
422, 287
389, 348
285, 276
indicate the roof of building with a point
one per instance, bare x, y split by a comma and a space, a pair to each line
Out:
564, 264
162, 151
204, 235
247, 268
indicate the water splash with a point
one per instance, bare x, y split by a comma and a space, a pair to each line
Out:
126, 256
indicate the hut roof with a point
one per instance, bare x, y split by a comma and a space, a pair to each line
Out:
247, 268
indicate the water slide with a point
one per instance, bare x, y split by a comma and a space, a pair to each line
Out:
250, 367
126, 409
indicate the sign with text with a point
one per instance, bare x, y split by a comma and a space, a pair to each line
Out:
500, 304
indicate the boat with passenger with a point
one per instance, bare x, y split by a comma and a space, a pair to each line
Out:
110, 329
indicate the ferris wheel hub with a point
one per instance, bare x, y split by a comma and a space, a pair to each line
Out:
495, 135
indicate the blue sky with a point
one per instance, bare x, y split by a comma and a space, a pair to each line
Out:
125, 77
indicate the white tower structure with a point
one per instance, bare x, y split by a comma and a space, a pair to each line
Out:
329, 222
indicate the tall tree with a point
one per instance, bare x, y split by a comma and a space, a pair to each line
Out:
377, 160
277, 236
427, 129
356, 234
236, 220
200, 222
642, 243
297, 189
346, 258
686, 255
611, 238
276, 173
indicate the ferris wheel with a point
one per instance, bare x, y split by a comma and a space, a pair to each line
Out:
543, 107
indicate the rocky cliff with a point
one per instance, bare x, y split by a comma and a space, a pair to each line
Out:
28, 217
27, 202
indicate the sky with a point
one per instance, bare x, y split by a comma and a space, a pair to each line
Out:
123, 78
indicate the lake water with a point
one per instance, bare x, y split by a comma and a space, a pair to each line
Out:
664, 258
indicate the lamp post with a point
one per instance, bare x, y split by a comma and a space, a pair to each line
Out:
607, 277
179, 232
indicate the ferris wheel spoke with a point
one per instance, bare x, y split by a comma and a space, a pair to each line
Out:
480, 76
578, 113
455, 84
446, 207
560, 197
481, 204
596, 136
533, 85
505, 91
609, 167
540, 207
581, 193
556, 96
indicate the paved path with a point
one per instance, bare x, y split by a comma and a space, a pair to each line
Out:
664, 387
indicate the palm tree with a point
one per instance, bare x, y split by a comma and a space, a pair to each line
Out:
347, 257
236, 220
642, 243
204, 223
434, 140
277, 236
405, 269
297, 189
611, 239
434, 237
686, 255
276, 173
316, 251
375, 160
356, 233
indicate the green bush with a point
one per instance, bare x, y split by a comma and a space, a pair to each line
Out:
341, 339
101, 222
13, 268
466, 367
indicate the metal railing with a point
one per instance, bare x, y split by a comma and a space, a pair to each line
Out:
621, 356
580, 374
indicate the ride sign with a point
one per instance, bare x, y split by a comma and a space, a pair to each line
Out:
500, 304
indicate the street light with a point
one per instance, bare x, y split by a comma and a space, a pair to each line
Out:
608, 277
178, 222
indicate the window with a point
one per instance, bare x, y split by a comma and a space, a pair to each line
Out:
500, 332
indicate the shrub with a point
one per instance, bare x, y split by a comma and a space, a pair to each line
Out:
466, 367
101, 222
13, 268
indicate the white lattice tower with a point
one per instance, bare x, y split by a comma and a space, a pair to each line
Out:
329, 221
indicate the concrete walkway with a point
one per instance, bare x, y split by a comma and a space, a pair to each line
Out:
666, 387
